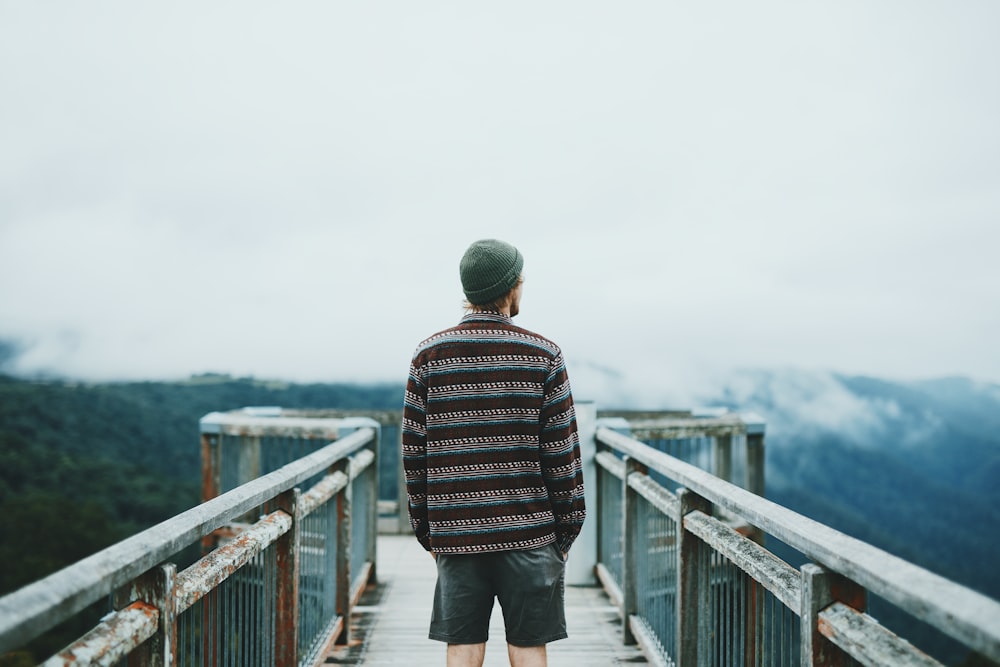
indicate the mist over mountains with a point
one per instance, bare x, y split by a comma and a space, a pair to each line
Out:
911, 467
946, 429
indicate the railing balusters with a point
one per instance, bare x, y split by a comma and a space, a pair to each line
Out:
239, 604
736, 603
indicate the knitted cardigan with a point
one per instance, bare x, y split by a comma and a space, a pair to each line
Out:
489, 441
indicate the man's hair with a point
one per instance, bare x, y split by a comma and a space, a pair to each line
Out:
497, 304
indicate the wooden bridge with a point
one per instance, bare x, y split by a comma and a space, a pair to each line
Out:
671, 566
390, 623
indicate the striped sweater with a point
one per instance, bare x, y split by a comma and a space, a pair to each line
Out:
490, 446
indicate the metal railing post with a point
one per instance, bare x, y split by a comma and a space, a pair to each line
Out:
286, 624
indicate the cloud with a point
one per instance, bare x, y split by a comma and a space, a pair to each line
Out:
807, 404
287, 191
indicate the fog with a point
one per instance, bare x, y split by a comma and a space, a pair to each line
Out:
285, 192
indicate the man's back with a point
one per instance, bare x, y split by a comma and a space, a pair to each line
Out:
489, 440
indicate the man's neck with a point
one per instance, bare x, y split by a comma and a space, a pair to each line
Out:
491, 311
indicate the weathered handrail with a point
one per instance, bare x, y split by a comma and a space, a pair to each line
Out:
688, 537
39, 606
962, 613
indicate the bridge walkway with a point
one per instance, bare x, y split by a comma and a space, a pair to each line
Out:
390, 623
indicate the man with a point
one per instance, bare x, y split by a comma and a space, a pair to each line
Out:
493, 472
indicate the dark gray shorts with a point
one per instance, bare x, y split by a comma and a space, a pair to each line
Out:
529, 585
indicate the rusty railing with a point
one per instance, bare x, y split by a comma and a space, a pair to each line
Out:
282, 569
681, 553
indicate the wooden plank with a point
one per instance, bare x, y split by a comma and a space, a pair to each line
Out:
867, 641
397, 619
246, 423
630, 545
322, 492
968, 616
331, 485
361, 461
610, 463
693, 587
342, 566
112, 640
647, 642
658, 497
691, 427
611, 588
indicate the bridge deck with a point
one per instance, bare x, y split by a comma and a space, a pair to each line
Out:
390, 625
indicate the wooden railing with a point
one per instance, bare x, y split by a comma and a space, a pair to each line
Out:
277, 591
680, 552
676, 532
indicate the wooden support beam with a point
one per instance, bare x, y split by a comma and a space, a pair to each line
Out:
820, 589
343, 558
286, 622
157, 588
867, 641
722, 457
693, 585
630, 527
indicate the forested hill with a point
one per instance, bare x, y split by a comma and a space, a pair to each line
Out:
84, 465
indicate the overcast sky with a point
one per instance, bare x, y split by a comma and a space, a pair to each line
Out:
285, 189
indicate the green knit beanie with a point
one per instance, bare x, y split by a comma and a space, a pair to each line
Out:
489, 269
